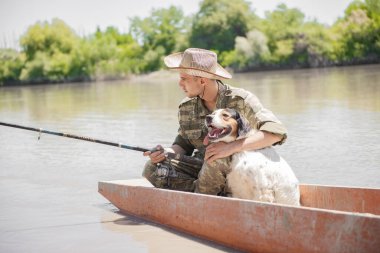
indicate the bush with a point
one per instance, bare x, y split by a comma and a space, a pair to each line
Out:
11, 64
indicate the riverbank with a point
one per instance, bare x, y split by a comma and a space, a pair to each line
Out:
166, 73
369, 61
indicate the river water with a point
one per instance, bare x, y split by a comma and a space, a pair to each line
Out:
48, 187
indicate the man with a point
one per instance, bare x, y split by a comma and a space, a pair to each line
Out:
200, 76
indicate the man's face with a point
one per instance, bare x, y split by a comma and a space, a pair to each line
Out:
191, 85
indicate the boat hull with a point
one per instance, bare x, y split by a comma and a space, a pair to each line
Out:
249, 225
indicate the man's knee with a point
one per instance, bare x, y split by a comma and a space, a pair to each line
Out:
149, 169
174, 183
212, 177
149, 173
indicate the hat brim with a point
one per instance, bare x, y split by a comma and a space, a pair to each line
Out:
173, 62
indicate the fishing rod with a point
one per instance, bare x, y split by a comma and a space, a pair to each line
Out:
179, 157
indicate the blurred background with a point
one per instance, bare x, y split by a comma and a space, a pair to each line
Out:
53, 41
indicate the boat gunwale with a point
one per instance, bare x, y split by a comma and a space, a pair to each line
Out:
257, 203
275, 227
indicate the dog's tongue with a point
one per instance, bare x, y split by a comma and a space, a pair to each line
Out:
206, 140
215, 132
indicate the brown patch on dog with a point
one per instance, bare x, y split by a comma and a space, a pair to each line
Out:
230, 121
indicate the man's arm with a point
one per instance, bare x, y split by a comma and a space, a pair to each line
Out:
259, 140
263, 119
176, 149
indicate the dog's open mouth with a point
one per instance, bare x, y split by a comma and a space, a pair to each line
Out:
215, 133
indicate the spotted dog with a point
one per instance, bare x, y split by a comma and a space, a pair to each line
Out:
260, 175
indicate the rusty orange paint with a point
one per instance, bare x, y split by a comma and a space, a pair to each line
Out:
351, 199
253, 226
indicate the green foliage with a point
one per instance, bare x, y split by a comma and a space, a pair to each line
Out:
358, 33
110, 54
281, 24
317, 41
164, 32
11, 64
45, 68
373, 8
48, 49
219, 22
50, 38
283, 27
52, 52
249, 51
164, 28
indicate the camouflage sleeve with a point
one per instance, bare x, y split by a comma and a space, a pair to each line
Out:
185, 144
188, 130
262, 118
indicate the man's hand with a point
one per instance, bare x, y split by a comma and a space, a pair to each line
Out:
260, 139
219, 150
157, 156
160, 155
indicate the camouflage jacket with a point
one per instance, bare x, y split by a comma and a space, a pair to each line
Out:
192, 113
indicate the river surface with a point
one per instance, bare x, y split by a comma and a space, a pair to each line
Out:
48, 187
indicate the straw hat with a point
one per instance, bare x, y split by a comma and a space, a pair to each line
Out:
197, 62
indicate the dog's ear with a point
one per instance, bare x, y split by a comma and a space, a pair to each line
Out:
243, 124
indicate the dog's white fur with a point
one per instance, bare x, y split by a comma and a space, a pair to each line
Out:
260, 175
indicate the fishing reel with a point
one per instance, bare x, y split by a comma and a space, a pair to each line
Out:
163, 170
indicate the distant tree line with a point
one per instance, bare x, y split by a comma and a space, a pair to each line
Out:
53, 52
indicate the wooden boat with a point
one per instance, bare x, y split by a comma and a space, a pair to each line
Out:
331, 219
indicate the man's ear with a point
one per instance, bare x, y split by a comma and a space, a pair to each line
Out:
203, 81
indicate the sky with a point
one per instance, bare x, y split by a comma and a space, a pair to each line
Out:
84, 16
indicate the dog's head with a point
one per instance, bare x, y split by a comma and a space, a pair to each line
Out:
225, 125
